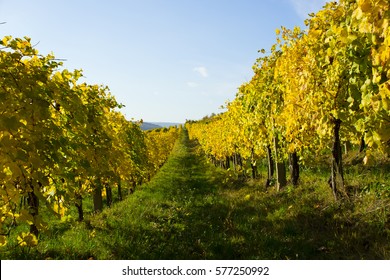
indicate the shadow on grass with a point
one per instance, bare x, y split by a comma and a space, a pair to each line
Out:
274, 234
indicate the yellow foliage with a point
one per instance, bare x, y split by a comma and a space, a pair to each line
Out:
27, 239
3, 240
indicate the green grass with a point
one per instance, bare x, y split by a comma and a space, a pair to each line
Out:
192, 210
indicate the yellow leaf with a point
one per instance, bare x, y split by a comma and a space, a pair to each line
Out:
365, 5
366, 160
27, 239
3, 240
92, 234
5, 40
57, 77
7, 171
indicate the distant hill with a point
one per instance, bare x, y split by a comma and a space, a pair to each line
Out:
166, 124
153, 125
148, 126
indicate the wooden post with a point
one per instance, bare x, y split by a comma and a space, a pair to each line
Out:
337, 178
280, 168
294, 168
97, 197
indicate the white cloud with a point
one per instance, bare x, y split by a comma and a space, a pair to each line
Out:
192, 84
305, 7
202, 71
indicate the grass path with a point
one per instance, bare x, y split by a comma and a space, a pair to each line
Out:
179, 215
192, 210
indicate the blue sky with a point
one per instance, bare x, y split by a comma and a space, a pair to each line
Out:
166, 60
